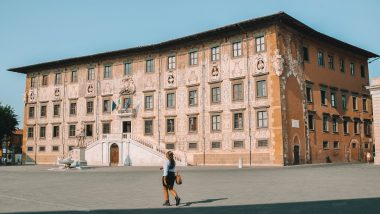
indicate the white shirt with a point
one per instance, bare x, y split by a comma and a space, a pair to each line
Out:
166, 168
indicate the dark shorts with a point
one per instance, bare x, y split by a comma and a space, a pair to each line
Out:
170, 179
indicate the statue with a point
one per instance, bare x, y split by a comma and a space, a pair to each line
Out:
81, 136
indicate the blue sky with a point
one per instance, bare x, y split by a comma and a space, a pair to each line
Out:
44, 30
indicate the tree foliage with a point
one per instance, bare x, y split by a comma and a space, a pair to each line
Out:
8, 120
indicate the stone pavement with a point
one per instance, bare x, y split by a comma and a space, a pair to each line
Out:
346, 188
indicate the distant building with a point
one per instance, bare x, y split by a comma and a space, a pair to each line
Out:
270, 90
11, 151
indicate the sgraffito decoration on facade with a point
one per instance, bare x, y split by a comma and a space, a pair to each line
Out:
90, 88
215, 72
193, 78
128, 86
57, 92
171, 78
260, 64
278, 63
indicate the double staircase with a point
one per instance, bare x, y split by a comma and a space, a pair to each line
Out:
145, 145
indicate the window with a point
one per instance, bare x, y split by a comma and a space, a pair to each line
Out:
58, 79
106, 106
341, 65
30, 132
326, 145
107, 72
88, 130
106, 128
55, 131
170, 100
320, 58
356, 127
170, 146
260, 44
366, 146
346, 128
238, 144
237, 92
309, 94
365, 104
41, 148
333, 100
193, 145
43, 111
325, 123
215, 53
127, 68
331, 61
33, 82
352, 69
90, 107
362, 71
30, 148
323, 97
238, 120
335, 124
336, 144
148, 127
91, 74
72, 130
127, 102
45, 80
56, 109
262, 143
261, 88
215, 122
367, 128
55, 148
193, 58
73, 108
193, 98
215, 145
149, 102
262, 119
353, 145
42, 132
193, 124
170, 125
311, 121
31, 112
306, 54
149, 66
344, 102
236, 46
171, 62
74, 76
71, 148
355, 103
215, 94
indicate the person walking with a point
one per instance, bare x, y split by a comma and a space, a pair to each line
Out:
168, 179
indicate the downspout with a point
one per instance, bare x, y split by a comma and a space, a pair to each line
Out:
63, 111
158, 99
203, 104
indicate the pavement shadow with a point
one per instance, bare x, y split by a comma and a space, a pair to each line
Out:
187, 204
350, 206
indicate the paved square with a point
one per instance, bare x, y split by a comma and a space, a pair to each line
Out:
349, 188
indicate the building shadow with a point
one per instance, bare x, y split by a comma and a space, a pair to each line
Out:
350, 206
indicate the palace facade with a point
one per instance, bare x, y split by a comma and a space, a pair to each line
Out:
270, 90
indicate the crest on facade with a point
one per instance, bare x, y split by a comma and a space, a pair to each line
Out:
32, 96
171, 78
259, 64
193, 77
278, 63
215, 71
129, 87
57, 92
90, 88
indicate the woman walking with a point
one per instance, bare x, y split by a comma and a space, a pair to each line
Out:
168, 179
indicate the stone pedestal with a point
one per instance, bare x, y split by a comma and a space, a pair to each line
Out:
79, 157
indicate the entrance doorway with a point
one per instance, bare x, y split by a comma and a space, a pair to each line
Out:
114, 155
127, 127
296, 153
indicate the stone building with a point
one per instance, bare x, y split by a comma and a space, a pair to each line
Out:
375, 93
270, 90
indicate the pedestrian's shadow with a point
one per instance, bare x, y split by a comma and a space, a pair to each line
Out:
187, 204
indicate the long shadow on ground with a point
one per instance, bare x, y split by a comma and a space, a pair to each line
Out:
366, 205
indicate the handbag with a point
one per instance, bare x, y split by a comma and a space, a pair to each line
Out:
178, 179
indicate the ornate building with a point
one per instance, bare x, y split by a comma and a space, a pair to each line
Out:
267, 90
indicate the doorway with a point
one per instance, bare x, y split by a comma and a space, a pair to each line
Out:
296, 154
127, 127
114, 155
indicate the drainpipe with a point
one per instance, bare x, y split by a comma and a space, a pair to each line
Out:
63, 111
158, 100
203, 103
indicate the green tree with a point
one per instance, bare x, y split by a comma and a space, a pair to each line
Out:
8, 120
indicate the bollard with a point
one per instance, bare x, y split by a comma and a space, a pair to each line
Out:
240, 163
